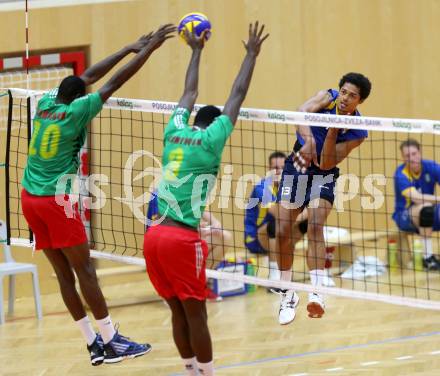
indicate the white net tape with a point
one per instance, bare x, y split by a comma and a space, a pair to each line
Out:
282, 117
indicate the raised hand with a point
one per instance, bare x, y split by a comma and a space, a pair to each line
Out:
161, 35
194, 41
140, 43
253, 45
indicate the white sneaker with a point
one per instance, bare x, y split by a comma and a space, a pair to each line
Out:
289, 300
316, 306
327, 281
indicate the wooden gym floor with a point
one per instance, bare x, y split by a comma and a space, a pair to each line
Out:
353, 338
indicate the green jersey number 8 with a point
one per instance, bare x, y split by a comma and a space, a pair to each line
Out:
175, 161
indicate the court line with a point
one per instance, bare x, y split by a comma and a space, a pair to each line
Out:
336, 369
366, 364
325, 351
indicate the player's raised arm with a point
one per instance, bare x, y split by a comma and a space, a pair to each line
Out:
99, 70
308, 152
316, 103
129, 69
241, 84
191, 89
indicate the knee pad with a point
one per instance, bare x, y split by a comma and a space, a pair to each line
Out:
303, 226
271, 229
426, 218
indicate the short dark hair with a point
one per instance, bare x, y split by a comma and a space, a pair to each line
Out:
276, 154
358, 80
71, 87
410, 142
206, 115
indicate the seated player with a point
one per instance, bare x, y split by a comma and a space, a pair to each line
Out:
260, 225
417, 208
60, 128
308, 181
211, 231
174, 253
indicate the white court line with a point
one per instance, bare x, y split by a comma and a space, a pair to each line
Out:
299, 374
435, 352
334, 369
404, 357
366, 364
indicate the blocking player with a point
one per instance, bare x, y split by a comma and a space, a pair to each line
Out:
211, 231
60, 128
174, 253
417, 208
309, 180
210, 228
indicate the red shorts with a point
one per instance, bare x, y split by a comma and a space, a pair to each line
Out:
176, 259
53, 226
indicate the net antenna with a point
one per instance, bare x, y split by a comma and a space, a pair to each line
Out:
27, 45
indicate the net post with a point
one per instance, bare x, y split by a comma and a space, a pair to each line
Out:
29, 136
7, 157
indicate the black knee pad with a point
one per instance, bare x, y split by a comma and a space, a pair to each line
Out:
271, 229
426, 218
303, 226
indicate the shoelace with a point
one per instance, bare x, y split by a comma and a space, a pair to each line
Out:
287, 303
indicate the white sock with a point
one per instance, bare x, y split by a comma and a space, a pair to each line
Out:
106, 328
190, 365
286, 275
274, 273
86, 328
206, 369
316, 277
428, 247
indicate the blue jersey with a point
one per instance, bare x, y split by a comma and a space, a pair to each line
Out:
257, 214
320, 133
424, 183
153, 208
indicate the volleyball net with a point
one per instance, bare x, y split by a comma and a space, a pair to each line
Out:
367, 257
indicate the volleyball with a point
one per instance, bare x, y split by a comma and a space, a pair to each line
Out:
195, 20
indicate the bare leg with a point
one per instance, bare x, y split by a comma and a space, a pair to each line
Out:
199, 337
425, 233
66, 280
181, 332
79, 259
285, 218
315, 234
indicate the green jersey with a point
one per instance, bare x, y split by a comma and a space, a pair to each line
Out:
191, 159
59, 131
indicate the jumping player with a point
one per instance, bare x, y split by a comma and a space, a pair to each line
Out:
309, 180
60, 128
174, 253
